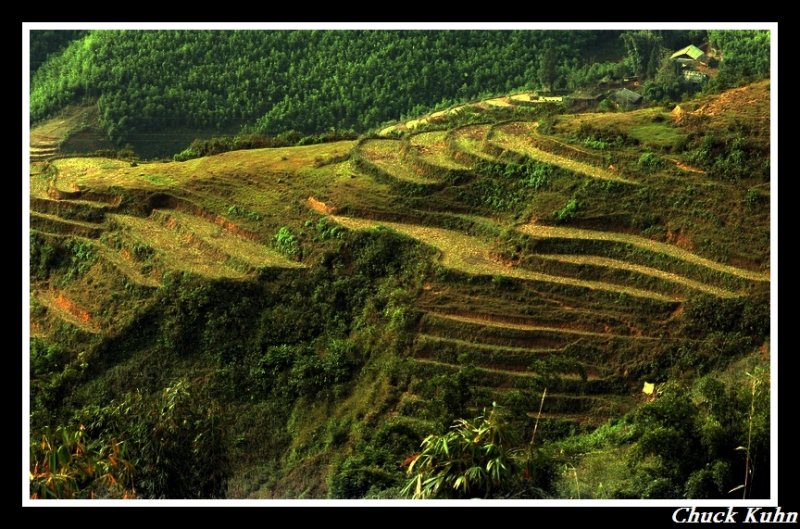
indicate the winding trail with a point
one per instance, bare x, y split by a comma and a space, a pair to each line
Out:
526, 327
505, 372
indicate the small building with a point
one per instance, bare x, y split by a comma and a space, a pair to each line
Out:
689, 55
626, 98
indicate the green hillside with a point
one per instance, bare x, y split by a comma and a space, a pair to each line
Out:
293, 322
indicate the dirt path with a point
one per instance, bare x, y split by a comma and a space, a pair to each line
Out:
525, 327
505, 372
59, 225
688, 168
488, 347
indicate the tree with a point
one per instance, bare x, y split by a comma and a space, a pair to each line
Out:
472, 459
548, 67
712, 442
644, 52
286, 242
176, 441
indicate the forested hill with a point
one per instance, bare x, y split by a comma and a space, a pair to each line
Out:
309, 81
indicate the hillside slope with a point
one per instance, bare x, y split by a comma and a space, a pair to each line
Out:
333, 304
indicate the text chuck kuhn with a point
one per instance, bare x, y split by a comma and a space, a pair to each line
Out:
751, 515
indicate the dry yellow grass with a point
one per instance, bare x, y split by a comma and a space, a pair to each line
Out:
472, 255
424, 120
75, 173
540, 231
514, 138
388, 130
498, 102
249, 252
177, 250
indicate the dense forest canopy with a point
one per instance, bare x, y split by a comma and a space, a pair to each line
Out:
304, 80
314, 81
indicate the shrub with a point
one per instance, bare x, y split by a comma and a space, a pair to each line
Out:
473, 458
567, 212
68, 464
650, 161
286, 243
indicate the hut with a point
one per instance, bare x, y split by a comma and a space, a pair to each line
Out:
626, 98
688, 55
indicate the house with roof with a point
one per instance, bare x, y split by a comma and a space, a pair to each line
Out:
689, 55
626, 98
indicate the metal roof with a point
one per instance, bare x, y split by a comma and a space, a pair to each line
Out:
627, 96
691, 50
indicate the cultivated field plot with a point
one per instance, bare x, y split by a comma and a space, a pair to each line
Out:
75, 173
250, 253
187, 242
389, 157
472, 255
432, 147
542, 231
514, 137
471, 140
176, 250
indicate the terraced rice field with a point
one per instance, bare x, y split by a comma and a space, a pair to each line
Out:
514, 137
104, 173
549, 316
507, 357
646, 270
250, 253
205, 245
522, 327
55, 224
540, 231
472, 255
